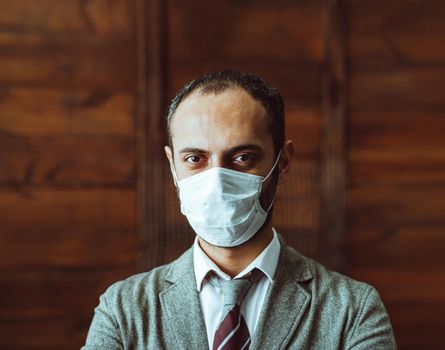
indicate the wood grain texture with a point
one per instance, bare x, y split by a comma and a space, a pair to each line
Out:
289, 56
333, 139
69, 43
398, 246
405, 316
386, 35
82, 160
151, 133
403, 167
50, 136
299, 84
72, 67
396, 162
415, 89
51, 308
50, 19
45, 111
232, 31
372, 206
84, 227
397, 130
67, 165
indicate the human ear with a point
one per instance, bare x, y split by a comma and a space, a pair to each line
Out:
287, 152
169, 154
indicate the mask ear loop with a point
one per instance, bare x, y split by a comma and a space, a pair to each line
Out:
271, 204
267, 176
273, 167
175, 178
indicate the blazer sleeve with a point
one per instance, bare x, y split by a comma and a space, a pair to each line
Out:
103, 333
372, 329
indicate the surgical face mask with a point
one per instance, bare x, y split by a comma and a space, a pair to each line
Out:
223, 205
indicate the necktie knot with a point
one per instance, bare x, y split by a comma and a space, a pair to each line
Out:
234, 290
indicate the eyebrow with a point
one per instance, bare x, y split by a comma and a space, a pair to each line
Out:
235, 149
191, 150
249, 146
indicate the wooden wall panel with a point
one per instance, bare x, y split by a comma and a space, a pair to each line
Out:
67, 165
62, 160
234, 32
396, 163
389, 34
85, 228
51, 308
68, 43
40, 111
400, 89
399, 248
66, 136
97, 67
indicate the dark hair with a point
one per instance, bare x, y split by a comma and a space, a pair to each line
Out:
257, 87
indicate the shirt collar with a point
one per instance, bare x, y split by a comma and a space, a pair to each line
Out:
267, 262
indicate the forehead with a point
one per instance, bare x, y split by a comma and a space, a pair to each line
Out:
225, 119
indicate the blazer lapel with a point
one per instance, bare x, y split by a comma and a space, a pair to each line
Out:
182, 317
285, 304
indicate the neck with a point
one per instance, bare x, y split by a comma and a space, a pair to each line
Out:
235, 259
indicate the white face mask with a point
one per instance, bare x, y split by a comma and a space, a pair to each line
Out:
223, 205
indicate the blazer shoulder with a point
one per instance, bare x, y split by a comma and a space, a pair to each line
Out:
347, 309
327, 278
141, 285
323, 282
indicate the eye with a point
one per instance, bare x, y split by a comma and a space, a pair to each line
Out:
193, 159
245, 157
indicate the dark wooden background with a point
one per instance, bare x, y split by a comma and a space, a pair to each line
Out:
85, 193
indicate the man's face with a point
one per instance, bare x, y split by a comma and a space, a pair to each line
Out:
228, 130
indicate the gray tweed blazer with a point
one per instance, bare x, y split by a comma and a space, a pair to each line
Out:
306, 307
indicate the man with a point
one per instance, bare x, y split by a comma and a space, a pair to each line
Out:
240, 286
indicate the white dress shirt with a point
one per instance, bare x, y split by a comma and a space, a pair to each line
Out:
211, 296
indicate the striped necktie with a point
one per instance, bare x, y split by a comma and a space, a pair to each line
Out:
232, 332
